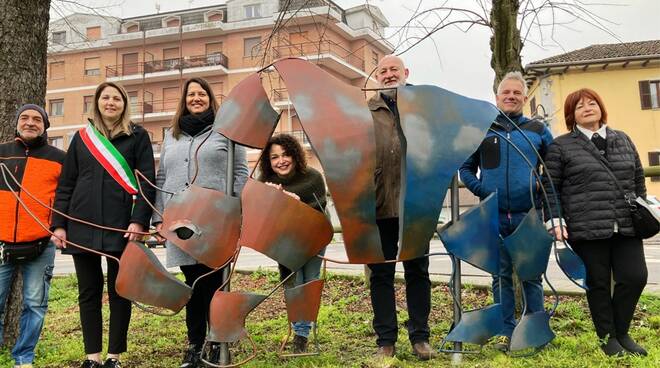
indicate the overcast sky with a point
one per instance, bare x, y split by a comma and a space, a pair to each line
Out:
458, 60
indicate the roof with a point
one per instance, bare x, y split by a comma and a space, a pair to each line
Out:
632, 50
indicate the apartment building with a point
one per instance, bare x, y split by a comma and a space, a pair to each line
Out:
152, 55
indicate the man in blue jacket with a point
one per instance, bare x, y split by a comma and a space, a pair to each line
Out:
504, 170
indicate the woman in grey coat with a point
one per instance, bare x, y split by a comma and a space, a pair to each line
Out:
192, 124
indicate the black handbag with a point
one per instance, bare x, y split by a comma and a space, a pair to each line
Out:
644, 218
22, 252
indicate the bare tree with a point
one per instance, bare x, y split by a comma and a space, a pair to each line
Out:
23, 35
512, 23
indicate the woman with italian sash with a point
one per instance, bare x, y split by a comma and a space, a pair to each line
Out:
98, 185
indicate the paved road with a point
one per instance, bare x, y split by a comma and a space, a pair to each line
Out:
440, 266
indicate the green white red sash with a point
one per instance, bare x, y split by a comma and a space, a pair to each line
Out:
109, 157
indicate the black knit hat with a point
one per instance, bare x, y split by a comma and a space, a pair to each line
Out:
36, 108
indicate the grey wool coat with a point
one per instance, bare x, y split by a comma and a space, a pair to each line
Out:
177, 168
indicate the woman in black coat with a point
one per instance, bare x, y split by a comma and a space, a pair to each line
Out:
92, 192
596, 216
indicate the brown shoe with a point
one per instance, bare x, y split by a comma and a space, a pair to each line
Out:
423, 350
386, 351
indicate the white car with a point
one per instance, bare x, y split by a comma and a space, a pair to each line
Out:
654, 202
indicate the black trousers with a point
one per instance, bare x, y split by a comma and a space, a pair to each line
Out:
418, 290
622, 257
197, 309
90, 296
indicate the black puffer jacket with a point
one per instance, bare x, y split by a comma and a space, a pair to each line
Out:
88, 192
590, 200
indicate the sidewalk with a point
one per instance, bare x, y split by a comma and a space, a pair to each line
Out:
439, 268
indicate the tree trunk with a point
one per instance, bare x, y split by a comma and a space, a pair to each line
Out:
505, 43
24, 45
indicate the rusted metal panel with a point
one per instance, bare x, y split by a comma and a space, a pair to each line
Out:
281, 227
204, 223
143, 279
335, 117
303, 301
441, 129
246, 115
227, 315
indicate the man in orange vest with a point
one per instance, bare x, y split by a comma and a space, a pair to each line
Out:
25, 244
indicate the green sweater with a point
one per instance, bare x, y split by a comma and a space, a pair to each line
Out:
306, 185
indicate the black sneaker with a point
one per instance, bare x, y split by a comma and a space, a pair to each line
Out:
90, 364
112, 363
631, 346
191, 357
214, 353
612, 347
299, 344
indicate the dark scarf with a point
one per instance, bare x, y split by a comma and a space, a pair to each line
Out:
194, 124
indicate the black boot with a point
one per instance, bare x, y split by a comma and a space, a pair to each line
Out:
299, 344
612, 347
191, 357
631, 346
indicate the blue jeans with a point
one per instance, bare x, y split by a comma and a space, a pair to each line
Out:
36, 283
308, 272
503, 286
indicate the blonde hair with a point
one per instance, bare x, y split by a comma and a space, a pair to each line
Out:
123, 125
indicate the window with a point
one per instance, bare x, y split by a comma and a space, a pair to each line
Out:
253, 11
532, 106
214, 53
214, 16
57, 107
170, 58
654, 160
92, 66
132, 28
57, 70
649, 94
59, 37
56, 142
374, 57
251, 46
88, 103
133, 102
218, 88
93, 33
170, 98
172, 23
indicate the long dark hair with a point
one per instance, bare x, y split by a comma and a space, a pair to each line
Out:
182, 109
290, 146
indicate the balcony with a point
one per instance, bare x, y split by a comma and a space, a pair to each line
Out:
160, 70
158, 110
327, 53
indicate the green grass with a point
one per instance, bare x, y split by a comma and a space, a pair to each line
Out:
345, 334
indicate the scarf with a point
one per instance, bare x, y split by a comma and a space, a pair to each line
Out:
194, 124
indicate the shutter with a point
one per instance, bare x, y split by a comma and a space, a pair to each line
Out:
645, 94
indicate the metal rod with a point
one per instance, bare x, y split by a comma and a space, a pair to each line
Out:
455, 213
225, 357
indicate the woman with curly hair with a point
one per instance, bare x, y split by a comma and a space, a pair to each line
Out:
284, 166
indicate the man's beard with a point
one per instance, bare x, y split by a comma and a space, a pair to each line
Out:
391, 91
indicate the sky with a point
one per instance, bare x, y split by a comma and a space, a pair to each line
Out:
458, 60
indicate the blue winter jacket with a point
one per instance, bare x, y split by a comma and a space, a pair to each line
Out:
502, 167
